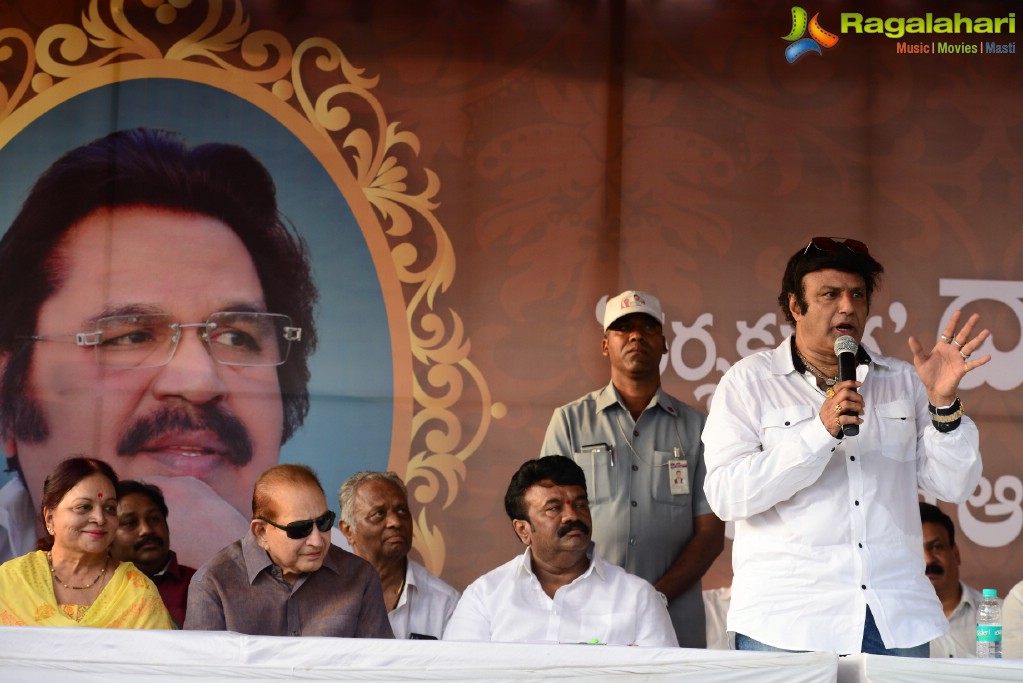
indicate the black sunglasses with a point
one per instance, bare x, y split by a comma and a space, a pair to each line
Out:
303, 528
836, 243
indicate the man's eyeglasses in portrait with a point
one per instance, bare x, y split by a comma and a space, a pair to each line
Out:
150, 340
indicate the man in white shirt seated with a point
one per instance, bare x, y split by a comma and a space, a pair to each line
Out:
559, 590
376, 520
959, 601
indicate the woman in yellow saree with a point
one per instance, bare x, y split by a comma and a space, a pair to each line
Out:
72, 580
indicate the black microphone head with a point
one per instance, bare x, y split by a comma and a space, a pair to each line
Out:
845, 344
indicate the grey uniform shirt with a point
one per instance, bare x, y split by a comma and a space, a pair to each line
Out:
638, 523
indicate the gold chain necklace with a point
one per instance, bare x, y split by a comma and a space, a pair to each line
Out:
49, 561
830, 381
397, 596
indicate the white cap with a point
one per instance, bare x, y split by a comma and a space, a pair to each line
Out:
629, 302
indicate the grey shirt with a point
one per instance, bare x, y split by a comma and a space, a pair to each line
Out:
240, 589
638, 523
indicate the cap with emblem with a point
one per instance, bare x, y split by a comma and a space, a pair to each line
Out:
629, 302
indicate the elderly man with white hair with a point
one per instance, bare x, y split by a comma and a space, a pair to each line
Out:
376, 520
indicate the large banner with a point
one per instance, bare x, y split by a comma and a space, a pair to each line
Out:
472, 180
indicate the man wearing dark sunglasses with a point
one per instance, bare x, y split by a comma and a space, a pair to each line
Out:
827, 552
284, 578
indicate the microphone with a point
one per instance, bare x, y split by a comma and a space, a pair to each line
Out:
845, 349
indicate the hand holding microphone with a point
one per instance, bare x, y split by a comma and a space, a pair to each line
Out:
845, 350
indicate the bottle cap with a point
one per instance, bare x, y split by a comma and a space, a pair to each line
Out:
990, 592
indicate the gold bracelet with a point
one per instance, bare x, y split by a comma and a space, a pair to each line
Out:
957, 415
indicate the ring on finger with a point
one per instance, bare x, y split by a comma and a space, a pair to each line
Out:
947, 340
966, 365
956, 342
838, 422
965, 356
838, 408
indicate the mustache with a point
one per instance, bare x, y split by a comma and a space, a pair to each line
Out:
935, 569
206, 417
146, 539
574, 524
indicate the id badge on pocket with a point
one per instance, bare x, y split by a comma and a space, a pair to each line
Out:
678, 477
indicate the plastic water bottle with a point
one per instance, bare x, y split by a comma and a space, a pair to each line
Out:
989, 626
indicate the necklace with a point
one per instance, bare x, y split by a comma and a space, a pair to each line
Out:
829, 381
679, 452
49, 561
397, 596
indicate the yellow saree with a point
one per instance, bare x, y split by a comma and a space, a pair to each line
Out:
129, 600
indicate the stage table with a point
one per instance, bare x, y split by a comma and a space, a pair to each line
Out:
73, 655
878, 669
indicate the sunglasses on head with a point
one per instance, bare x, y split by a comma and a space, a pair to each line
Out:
302, 528
836, 243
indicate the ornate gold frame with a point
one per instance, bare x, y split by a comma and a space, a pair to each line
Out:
319, 95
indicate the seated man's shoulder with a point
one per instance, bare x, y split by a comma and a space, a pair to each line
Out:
185, 573
497, 578
227, 559
348, 565
428, 581
630, 582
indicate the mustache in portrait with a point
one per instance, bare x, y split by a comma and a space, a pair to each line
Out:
210, 417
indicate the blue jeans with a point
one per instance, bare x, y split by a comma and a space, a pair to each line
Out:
871, 645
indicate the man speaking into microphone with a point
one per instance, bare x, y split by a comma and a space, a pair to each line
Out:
818, 463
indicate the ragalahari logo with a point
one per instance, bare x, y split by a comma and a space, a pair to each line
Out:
818, 36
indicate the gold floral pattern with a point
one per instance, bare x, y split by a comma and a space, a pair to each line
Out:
8, 619
73, 612
315, 78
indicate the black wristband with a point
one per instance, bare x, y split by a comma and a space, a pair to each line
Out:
946, 420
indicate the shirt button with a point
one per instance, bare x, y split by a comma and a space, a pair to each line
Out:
635, 467
632, 541
856, 502
860, 544
635, 432
863, 586
634, 503
852, 457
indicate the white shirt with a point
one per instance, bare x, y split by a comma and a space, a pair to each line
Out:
715, 603
825, 527
425, 604
605, 604
961, 639
1012, 623
17, 521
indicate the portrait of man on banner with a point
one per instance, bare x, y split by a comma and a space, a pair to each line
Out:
160, 316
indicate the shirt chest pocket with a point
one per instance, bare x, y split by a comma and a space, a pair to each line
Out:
598, 463
777, 425
896, 426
